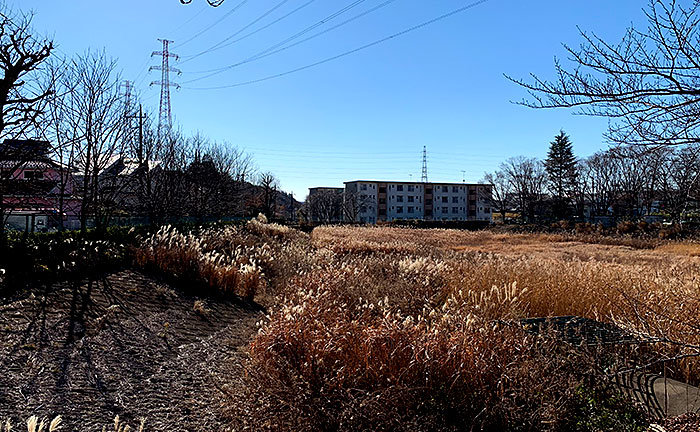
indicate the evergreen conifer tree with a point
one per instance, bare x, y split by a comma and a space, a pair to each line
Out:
562, 173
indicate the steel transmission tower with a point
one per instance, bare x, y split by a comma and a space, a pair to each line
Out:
128, 87
424, 175
165, 117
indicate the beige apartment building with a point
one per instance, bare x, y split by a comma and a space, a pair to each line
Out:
371, 201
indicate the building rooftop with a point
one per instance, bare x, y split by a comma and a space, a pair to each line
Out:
417, 182
24, 150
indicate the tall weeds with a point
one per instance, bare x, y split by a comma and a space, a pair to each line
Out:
403, 329
395, 329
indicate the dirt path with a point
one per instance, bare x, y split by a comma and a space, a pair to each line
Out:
124, 345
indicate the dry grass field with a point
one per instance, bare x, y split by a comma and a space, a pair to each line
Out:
398, 328
379, 328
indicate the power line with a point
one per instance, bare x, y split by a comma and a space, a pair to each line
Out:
271, 51
317, 24
206, 29
347, 53
223, 44
195, 16
255, 31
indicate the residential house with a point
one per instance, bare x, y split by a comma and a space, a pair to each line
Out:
37, 192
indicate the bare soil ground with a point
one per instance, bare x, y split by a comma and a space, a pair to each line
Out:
126, 345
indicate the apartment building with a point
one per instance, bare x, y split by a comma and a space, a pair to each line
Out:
376, 201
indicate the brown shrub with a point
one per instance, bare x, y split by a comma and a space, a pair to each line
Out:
323, 364
626, 227
188, 258
585, 228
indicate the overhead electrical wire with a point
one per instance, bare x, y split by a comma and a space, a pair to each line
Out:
195, 16
347, 53
206, 29
279, 47
223, 44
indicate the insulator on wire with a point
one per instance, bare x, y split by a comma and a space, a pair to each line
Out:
214, 3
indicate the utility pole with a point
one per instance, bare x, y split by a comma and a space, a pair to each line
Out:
464, 176
139, 148
293, 213
165, 117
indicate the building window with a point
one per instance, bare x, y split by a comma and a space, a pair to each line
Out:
428, 202
33, 175
399, 188
428, 190
382, 200
455, 189
455, 200
399, 198
382, 190
363, 187
487, 210
444, 188
363, 209
410, 198
399, 209
444, 209
444, 199
410, 210
411, 188
455, 209
472, 202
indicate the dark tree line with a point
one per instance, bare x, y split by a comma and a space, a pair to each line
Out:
109, 158
621, 182
647, 86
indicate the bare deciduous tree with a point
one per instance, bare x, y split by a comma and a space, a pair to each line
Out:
325, 205
22, 98
96, 117
528, 180
268, 195
63, 138
501, 192
647, 83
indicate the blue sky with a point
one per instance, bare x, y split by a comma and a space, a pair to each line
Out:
367, 115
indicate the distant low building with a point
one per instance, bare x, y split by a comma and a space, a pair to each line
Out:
37, 192
325, 204
371, 201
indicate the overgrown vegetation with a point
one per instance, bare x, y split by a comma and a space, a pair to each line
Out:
387, 328
397, 329
38, 258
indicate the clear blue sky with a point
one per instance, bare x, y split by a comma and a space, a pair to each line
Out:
367, 115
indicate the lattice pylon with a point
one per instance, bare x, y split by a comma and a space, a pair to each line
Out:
165, 116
